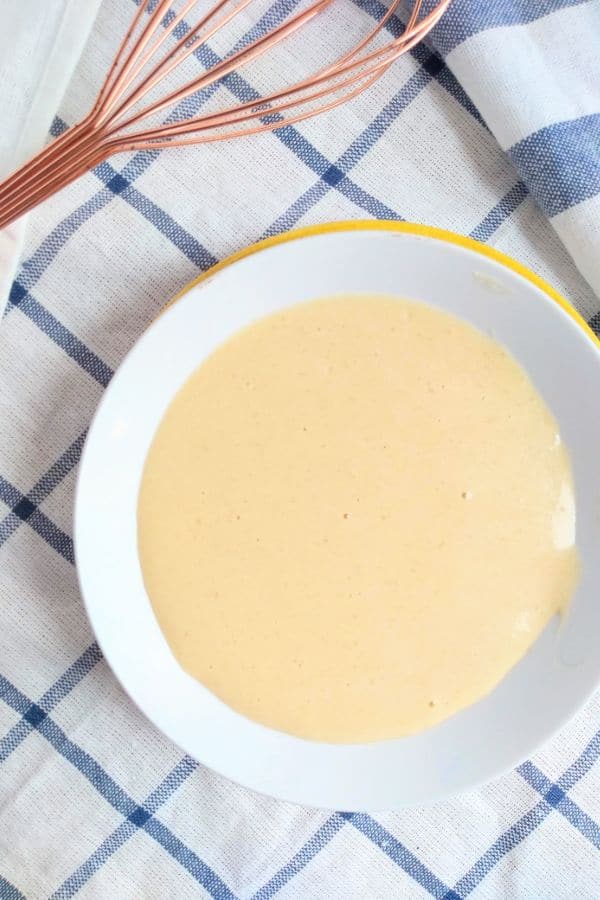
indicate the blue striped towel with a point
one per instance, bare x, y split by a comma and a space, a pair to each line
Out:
532, 69
492, 129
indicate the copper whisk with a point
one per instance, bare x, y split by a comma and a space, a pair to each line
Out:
121, 121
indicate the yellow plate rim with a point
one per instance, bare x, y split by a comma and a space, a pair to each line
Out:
430, 231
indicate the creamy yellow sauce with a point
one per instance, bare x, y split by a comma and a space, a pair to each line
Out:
355, 518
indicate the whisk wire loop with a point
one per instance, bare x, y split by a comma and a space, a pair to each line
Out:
119, 119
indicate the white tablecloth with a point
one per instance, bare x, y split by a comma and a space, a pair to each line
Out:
93, 800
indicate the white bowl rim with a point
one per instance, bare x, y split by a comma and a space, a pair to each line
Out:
259, 779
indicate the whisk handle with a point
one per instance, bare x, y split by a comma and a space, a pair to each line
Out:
63, 161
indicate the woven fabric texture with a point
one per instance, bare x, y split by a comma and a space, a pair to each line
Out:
493, 130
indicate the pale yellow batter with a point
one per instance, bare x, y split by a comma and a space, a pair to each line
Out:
355, 517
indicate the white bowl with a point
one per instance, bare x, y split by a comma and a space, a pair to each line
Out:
456, 274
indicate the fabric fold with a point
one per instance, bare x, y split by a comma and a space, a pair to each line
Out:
532, 69
40, 45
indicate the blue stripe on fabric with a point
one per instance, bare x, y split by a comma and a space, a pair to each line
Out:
108, 788
171, 783
366, 201
296, 210
59, 690
189, 860
287, 134
582, 764
71, 677
52, 534
73, 884
311, 848
312, 158
45, 527
23, 510
534, 777
8, 526
42, 489
580, 820
500, 212
556, 797
96, 774
273, 17
433, 64
124, 831
503, 845
8, 891
58, 471
361, 145
9, 493
335, 175
13, 737
120, 184
13, 697
41, 259
594, 324
436, 67
464, 18
58, 127
528, 823
34, 267
560, 164
276, 13
172, 230
89, 361
400, 854
140, 162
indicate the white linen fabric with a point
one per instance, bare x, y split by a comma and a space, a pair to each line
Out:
490, 130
